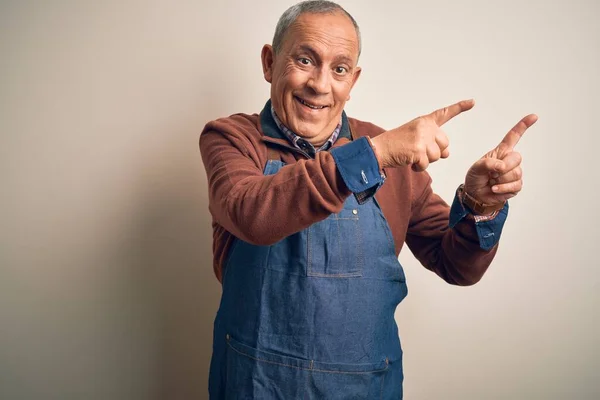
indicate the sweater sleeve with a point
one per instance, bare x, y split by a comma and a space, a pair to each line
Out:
454, 253
263, 209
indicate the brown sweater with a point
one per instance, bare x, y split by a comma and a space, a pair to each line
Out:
265, 209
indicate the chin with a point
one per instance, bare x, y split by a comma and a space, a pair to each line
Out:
308, 132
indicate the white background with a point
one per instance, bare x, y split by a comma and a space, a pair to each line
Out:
106, 285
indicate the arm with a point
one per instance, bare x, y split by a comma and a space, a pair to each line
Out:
265, 209
448, 241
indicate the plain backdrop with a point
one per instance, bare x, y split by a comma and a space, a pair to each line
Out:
106, 283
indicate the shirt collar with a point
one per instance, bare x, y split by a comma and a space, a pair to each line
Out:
271, 129
301, 143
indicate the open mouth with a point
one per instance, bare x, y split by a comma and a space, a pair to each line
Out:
311, 106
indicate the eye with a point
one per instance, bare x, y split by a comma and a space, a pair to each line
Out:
341, 70
304, 61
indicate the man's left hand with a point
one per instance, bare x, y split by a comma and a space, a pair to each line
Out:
498, 176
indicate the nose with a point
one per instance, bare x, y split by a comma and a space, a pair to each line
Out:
319, 81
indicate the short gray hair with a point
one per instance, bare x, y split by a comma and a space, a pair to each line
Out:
309, 7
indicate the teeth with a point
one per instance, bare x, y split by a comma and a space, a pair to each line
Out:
310, 105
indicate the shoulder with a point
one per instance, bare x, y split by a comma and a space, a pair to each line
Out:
240, 124
240, 131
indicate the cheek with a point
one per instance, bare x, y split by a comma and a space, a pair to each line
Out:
293, 78
341, 90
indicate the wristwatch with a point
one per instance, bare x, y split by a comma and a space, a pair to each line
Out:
477, 206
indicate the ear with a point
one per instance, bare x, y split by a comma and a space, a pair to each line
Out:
357, 72
267, 56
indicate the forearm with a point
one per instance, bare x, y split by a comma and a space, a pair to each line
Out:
455, 256
263, 209
450, 242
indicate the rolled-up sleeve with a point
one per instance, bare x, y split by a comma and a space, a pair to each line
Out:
359, 169
488, 231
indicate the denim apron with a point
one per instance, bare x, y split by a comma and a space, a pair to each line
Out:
312, 316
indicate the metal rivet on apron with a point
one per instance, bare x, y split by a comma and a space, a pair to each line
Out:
355, 211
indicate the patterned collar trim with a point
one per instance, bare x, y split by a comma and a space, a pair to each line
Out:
301, 143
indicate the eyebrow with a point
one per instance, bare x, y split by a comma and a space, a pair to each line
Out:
308, 49
313, 52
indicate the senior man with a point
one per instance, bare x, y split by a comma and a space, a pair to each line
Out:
310, 211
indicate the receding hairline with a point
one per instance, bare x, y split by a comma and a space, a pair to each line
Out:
314, 7
296, 28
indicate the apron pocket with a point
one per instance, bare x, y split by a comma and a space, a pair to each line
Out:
335, 247
257, 374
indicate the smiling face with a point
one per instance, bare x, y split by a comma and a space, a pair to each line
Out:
313, 73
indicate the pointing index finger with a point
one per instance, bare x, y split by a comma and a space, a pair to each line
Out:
514, 135
445, 114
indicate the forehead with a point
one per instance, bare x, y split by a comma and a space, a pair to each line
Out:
329, 34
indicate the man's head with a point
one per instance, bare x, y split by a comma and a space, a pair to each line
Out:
312, 67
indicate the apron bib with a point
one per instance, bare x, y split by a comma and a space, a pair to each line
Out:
312, 316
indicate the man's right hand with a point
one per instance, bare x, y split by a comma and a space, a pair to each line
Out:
420, 141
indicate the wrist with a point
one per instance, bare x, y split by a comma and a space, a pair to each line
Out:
378, 147
476, 206
376, 151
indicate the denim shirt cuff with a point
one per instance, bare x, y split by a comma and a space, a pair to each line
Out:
358, 166
488, 231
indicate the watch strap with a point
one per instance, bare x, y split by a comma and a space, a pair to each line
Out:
477, 206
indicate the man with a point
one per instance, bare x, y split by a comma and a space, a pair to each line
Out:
310, 211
